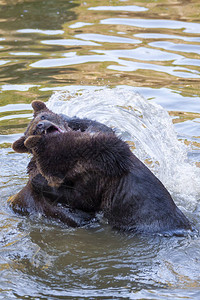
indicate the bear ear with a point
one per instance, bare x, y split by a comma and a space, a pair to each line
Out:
18, 145
38, 105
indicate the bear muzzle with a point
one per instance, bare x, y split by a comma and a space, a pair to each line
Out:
47, 127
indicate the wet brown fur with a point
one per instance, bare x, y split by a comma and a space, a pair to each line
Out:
74, 174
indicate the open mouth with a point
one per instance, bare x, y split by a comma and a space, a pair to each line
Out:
53, 129
48, 127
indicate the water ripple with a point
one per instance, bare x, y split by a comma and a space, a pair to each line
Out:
177, 47
144, 23
40, 31
141, 53
166, 36
119, 8
106, 38
69, 42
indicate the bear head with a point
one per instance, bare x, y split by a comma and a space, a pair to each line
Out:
44, 122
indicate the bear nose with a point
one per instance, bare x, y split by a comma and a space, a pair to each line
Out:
40, 125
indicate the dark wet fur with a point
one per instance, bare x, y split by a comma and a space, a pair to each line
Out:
88, 169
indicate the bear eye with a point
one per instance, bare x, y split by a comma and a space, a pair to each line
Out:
43, 117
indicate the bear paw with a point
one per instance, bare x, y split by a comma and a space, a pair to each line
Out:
32, 141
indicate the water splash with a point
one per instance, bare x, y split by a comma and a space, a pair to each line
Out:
147, 128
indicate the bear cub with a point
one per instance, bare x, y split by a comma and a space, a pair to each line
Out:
80, 167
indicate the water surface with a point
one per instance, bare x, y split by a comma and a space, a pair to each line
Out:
102, 53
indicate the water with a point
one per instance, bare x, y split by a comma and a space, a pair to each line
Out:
99, 55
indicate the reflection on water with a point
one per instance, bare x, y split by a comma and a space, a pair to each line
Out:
106, 38
166, 36
35, 14
176, 47
119, 8
47, 32
152, 47
170, 24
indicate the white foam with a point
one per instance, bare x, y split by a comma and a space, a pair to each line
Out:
146, 126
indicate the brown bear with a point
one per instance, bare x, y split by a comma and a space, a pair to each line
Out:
80, 167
